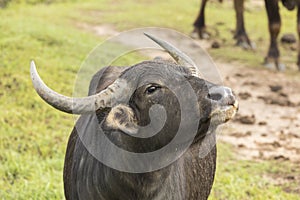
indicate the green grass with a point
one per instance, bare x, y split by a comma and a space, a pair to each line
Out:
242, 179
33, 135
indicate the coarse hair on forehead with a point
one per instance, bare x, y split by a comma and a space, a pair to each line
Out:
154, 67
154, 72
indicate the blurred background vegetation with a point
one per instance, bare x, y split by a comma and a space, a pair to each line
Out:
33, 136
5, 3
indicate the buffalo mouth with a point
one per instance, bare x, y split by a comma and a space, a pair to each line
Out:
218, 116
223, 114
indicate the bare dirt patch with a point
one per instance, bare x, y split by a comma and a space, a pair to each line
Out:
271, 112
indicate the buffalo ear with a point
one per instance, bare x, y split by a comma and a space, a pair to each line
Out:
121, 117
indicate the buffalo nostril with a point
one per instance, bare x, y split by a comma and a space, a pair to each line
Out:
230, 100
215, 96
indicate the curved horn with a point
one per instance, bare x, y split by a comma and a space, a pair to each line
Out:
82, 105
179, 56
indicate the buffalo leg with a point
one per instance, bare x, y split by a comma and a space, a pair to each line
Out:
274, 28
240, 34
298, 29
199, 24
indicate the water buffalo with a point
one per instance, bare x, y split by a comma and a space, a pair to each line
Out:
241, 36
119, 108
240, 33
272, 8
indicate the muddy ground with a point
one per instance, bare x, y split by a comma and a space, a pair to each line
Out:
267, 126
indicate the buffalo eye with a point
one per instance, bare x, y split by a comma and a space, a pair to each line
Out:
151, 89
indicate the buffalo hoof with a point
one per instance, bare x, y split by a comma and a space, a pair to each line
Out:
243, 41
201, 33
274, 64
246, 45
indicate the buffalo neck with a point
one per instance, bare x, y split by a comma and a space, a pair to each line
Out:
150, 185
94, 180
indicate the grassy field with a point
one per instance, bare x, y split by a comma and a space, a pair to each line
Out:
33, 136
